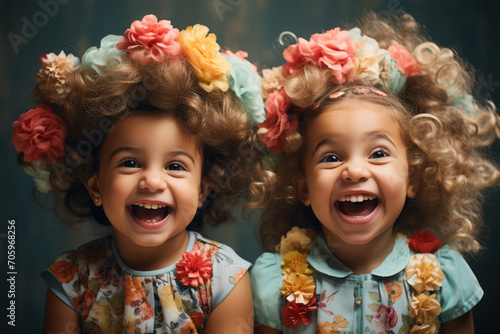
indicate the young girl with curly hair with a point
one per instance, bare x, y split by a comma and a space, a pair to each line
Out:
380, 163
153, 134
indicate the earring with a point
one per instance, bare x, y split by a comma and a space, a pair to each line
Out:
96, 199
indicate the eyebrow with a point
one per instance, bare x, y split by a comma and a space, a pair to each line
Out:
135, 150
372, 135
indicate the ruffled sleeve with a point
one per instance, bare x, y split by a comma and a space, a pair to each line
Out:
228, 269
267, 282
461, 290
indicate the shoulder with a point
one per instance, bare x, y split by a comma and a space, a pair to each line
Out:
219, 252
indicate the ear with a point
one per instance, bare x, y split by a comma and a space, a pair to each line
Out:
411, 191
204, 191
302, 190
94, 189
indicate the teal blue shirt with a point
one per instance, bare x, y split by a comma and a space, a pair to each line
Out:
337, 288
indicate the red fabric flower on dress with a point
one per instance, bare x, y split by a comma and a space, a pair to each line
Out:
39, 134
278, 122
149, 40
404, 61
334, 50
294, 315
424, 242
194, 268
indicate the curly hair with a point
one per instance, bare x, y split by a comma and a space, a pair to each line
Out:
96, 100
445, 142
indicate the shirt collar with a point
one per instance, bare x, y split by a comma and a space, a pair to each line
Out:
322, 260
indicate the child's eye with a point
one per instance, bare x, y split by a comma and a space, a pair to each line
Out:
130, 164
330, 157
380, 153
175, 166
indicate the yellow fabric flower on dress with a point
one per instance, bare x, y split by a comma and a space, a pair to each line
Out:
203, 52
424, 272
299, 239
298, 287
424, 308
427, 328
295, 262
52, 76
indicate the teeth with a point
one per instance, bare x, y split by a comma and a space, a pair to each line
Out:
356, 198
150, 206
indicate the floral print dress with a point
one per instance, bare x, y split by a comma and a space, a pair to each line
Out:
113, 298
374, 303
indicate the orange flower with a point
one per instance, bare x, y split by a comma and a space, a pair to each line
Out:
424, 272
198, 318
395, 290
133, 290
240, 275
295, 262
424, 308
298, 287
202, 51
326, 327
64, 271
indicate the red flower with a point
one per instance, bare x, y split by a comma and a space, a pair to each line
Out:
384, 318
424, 242
149, 40
404, 61
294, 315
64, 271
194, 268
334, 50
278, 122
39, 134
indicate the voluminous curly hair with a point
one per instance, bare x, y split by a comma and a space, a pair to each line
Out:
445, 143
218, 119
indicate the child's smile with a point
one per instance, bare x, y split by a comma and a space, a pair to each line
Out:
149, 178
356, 175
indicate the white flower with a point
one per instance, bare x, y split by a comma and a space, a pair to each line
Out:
40, 176
367, 66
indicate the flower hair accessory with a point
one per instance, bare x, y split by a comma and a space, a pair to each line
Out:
424, 274
347, 56
40, 133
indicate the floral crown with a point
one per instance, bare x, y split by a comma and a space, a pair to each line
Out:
348, 56
40, 133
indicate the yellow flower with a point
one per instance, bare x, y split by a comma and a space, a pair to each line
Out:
332, 327
299, 239
203, 52
298, 287
427, 328
295, 262
424, 308
424, 273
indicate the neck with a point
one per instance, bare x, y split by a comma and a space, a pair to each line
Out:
145, 258
361, 259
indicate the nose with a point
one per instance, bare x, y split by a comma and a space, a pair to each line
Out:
153, 180
355, 171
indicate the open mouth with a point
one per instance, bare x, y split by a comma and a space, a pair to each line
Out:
357, 206
150, 213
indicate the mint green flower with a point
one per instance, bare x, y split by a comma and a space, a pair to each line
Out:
107, 54
245, 83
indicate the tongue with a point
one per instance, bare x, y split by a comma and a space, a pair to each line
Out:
149, 214
357, 209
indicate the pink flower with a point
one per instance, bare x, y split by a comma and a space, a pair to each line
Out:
295, 314
404, 61
39, 134
334, 49
384, 318
242, 55
194, 268
278, 123
149, 40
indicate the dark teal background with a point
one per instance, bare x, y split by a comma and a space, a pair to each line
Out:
471, 27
